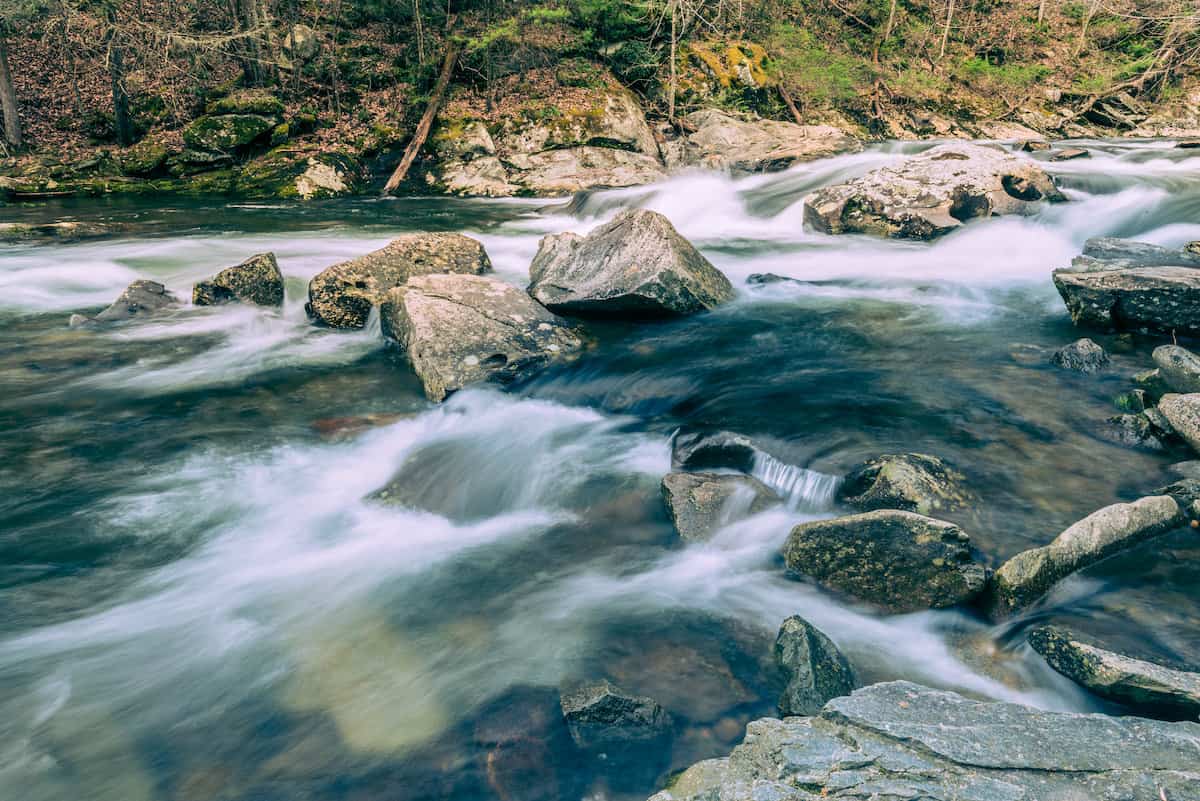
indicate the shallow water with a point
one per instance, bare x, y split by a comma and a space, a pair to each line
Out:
204, 593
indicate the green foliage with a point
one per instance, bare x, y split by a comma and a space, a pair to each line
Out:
611, 21
635, 64
978, 70
816, 73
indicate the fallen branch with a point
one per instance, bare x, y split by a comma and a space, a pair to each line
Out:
453, 48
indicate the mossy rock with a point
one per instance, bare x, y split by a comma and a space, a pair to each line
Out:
191, 162
288, 173
144, 158
280, 134
226, 133
246, 103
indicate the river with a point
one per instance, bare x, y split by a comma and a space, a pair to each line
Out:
202, 595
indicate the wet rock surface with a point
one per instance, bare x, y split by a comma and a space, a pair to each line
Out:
460, 329
343, 295
816, 670
899, 561
720, 141
602, 717
700, 503
1026, 577
1150, 689
1179, 368
1082, 356
256, 280
142, 298
900, 740
1182, 412
636, 265
913, 482
706, 450
932, 194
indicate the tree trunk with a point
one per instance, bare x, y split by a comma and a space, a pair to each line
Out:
891, 21
420, 31
1041, 11
674, 79
426, 124
946, 30
122, 124
791, 104
1087, 20
249, 21
8, 98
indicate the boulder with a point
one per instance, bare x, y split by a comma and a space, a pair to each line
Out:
227, 132
816, 670
1030, 574
459, 329
1179, 368
1033, 146
1127, 285
144, 158
913, 482
603, 718
721, 141
700, 503
899, 561
1133, 431
250, 101
1150, 689
1070, 154
635, 265
900, 740
341, 296
1182, 412
299, 173
1082, 355
299, 46
707, 450
142, 298
257, 280
932, 194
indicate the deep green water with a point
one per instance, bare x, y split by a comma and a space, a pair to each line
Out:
200, 599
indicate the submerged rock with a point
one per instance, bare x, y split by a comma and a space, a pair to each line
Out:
636, 265
932, 194
816, 670
1153, 690
900, 740
913, 482
1179, 368
897, 560
65, 231
1070, 154
142, 298
342, 296
1182, 412
1132, 286
708, 450
1082, 355
721, 141
460, 329
602, 717
257, 280
1030, 574
700, 503
1134, 431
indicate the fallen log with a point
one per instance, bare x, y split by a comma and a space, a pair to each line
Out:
453, 48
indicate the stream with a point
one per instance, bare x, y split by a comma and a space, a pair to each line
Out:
204, 595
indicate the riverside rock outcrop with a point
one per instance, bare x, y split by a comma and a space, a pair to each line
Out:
1124, 285
900, 740
1029, 575
720, 141
257, 280
460, 329
932, 194
899, 561
636, 265
1150, 689
343, 295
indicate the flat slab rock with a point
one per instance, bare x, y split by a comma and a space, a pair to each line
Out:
900, 740
932, 194
700, 503
1151, 689
460, 329
637, 265
342, 296
900, 561
720, 141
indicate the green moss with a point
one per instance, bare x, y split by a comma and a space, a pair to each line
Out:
227, 132
246, 103
144, 158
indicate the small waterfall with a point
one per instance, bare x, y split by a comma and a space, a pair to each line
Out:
802, 489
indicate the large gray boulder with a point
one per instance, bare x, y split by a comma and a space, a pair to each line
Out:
257, 280
459, 329
1182, 412
342, 296
700, 503
914, 482
1153, 690
142, 298
1119, 284
1030, 574
706, 450
1179, 367
932, 194
816, 670
721, 141
900, 561
635, 265
900, 741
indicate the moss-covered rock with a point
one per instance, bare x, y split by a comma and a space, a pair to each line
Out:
256, 280
190, 162
144, 158
226, 133
259, 103
297, 173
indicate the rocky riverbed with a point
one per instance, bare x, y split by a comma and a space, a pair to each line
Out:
874, 477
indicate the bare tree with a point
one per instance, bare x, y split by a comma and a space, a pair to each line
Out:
1041, 11
8, 97
122, 122
946, 30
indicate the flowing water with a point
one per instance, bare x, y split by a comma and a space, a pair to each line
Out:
241, 557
